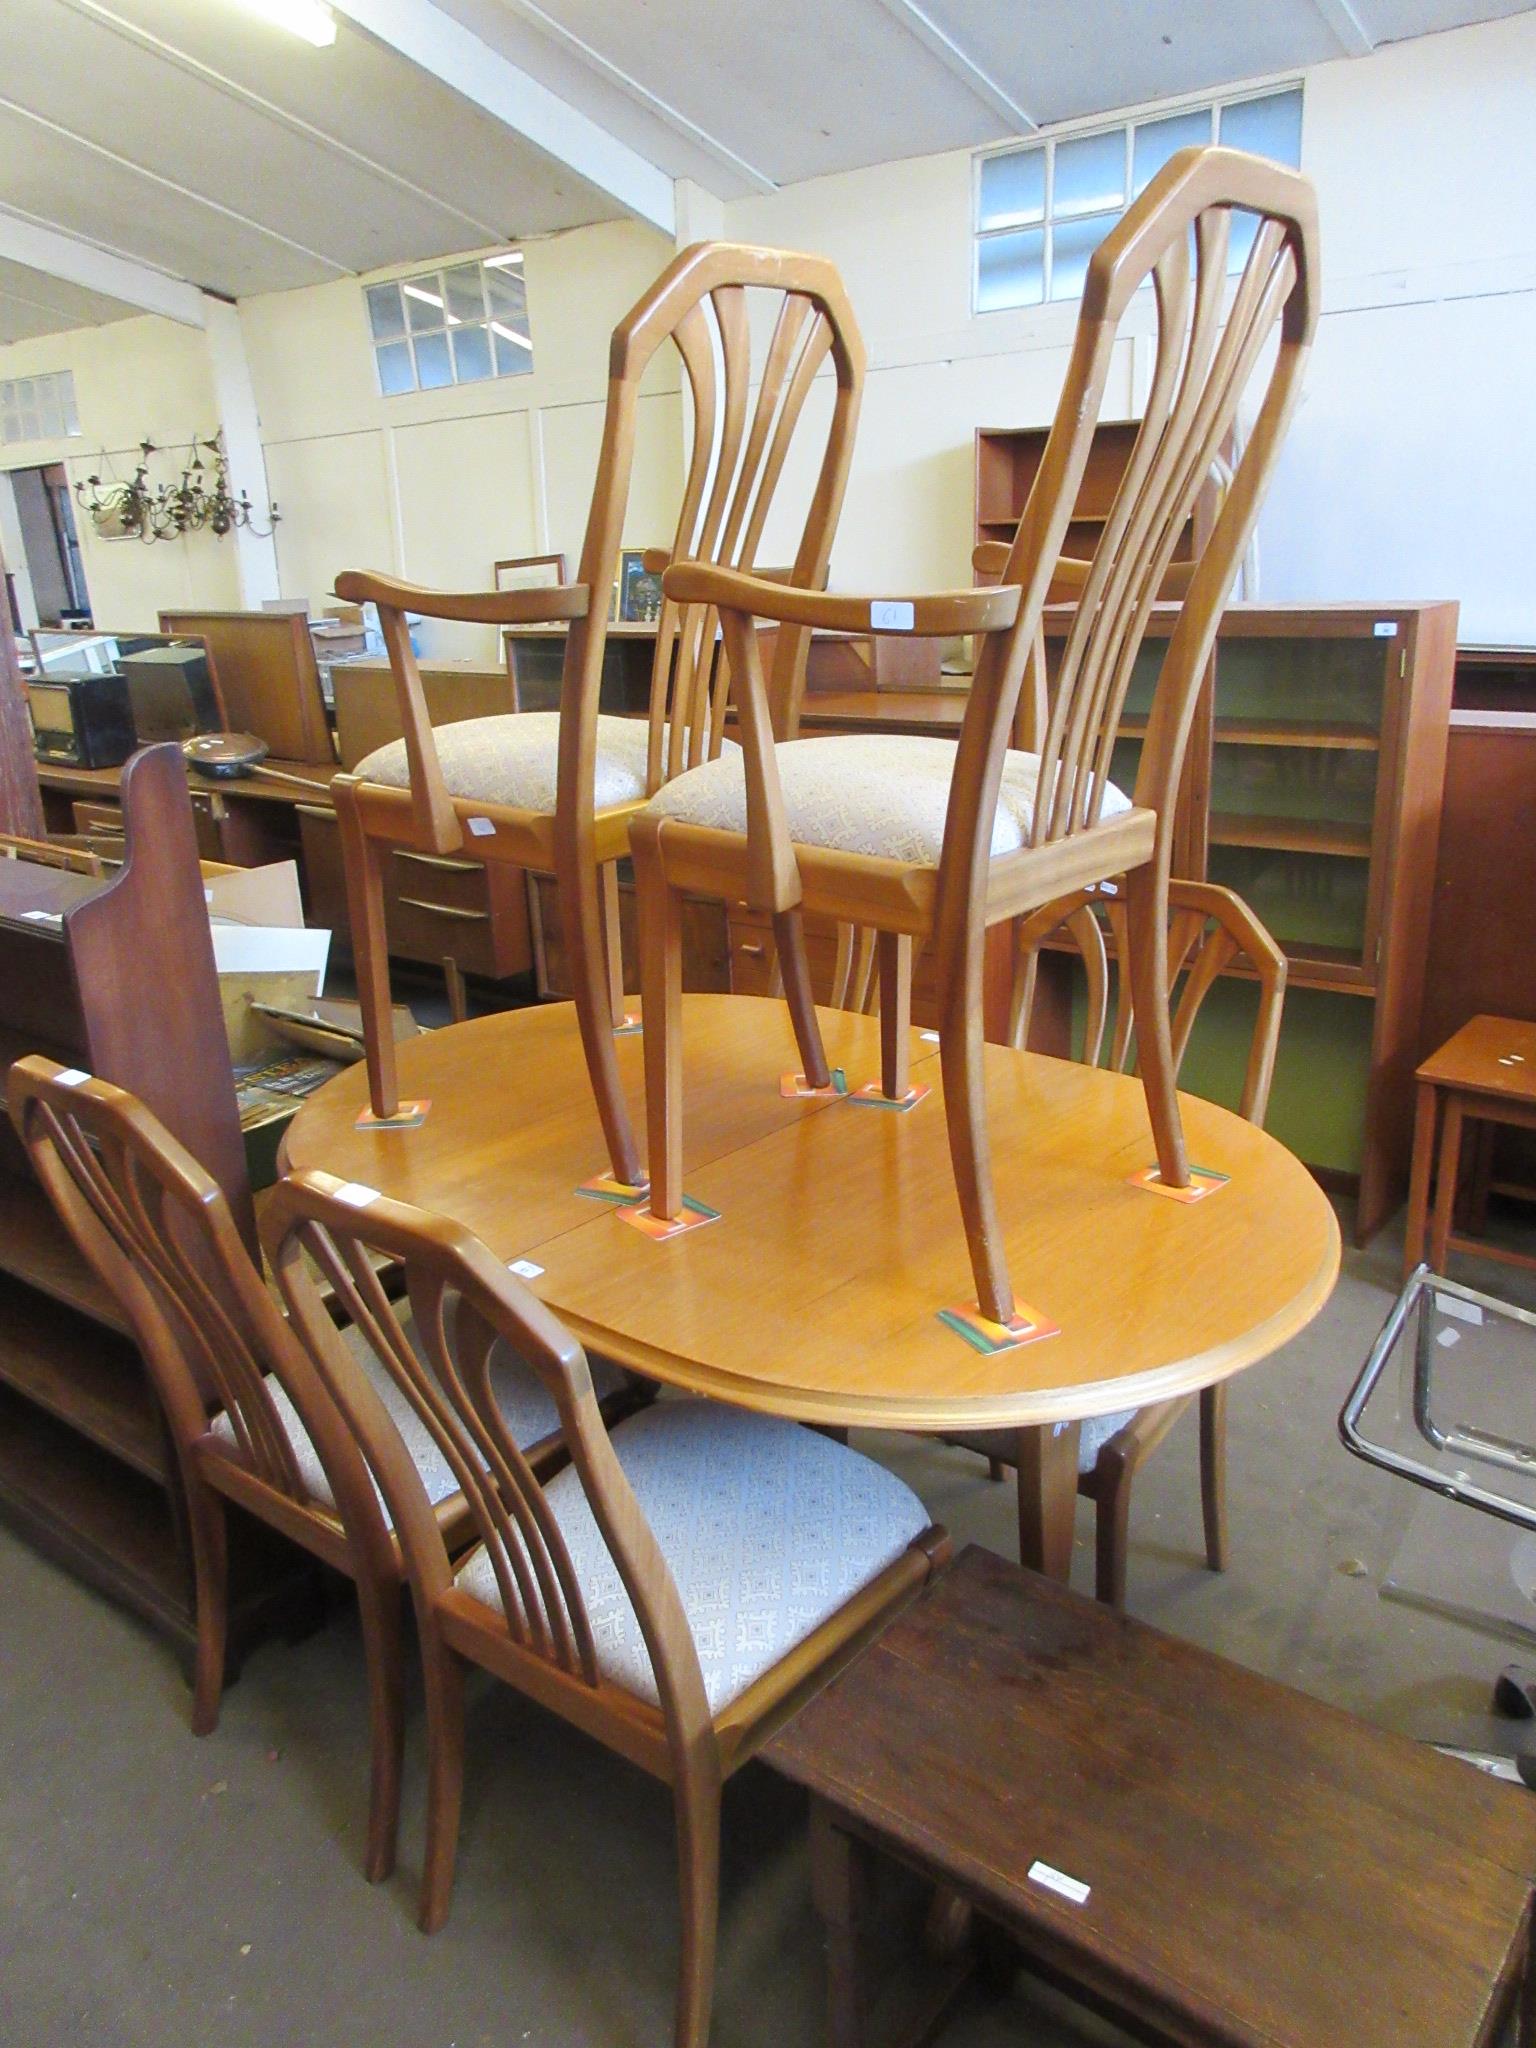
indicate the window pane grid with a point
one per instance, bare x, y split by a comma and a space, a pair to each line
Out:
38, 408
459, 325
1043, 209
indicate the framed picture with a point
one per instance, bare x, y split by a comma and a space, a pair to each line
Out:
639, 590
529, 572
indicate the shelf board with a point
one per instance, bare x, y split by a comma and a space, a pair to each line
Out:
1291, 835
90, 1378
35, 1247
1252, 732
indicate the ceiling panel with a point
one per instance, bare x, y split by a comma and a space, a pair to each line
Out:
1392, 21
797, 89
33, 303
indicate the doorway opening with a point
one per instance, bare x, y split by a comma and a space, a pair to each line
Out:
45, 585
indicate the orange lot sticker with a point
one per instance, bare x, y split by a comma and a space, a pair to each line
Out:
602, 1187
795, 1088
405, 1118
1203, 1181
875, 1097
1025, 1326
695, 1215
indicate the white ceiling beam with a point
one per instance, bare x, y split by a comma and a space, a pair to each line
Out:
99, 270
447, 50
938, 43
244, 95
1346, 27
660, 109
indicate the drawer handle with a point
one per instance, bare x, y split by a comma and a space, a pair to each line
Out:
445, 910
436, 860
753, 952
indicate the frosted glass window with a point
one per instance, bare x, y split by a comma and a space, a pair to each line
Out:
386, 316
471, 354
1089, 174
1072, 243
461, 325
434, 365
1041, 211
397, 373
38, 408
1156, 141
1012, 188
1010, 270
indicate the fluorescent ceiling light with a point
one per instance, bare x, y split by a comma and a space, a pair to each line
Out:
503, 262
311, 19
414, 291
506, 334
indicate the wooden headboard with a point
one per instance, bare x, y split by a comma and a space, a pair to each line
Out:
264, 666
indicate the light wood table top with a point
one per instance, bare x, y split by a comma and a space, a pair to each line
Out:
816, 1293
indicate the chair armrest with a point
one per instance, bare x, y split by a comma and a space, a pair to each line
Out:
934, 616
475, 607
990, 558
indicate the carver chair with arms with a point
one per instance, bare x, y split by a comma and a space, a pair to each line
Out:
1210, 931
250, 1421
934, 840
677, 1591
554, 791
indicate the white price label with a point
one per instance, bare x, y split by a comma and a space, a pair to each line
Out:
1385, 629
1463, 1311
482, 828
355, 1194
890, 615
1057, 1881
71, 1077
525, 1269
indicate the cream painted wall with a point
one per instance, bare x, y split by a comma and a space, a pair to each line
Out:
135, 380
436, 486
1408, 470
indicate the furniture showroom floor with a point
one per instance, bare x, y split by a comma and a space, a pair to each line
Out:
161, 1889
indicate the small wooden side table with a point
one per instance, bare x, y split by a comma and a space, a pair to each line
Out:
1486, 1072
1213, 1856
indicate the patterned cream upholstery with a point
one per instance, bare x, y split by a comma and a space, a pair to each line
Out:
530, 1412
881, 794
1096, 1433
510, 760
767, 1529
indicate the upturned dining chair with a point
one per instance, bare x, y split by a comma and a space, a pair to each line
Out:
554, 791
1211, 932
678, 1591
249, 1419
936, 840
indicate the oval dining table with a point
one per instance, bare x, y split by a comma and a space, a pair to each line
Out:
817, 1292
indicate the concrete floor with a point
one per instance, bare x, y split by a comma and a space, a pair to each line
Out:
158, 1889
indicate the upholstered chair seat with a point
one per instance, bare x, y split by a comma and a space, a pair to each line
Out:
530, 1413
880, 794
767, 1529
511, 760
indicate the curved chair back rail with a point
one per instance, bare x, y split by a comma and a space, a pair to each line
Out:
522, 1607
158, 1232
1210, 929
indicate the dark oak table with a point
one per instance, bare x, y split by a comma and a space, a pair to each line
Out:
1218, 1857
1485, 1073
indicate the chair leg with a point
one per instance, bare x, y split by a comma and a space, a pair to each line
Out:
444, 1678
895, 1015
591, 986
378, 1602
1213, 1473
1046, 1457
965, 1110
1112, 1530
697, 1800
789, 938
661, 995
363, 859
613, 944
208, 1531
1146, 904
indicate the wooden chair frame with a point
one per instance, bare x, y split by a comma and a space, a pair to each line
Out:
158, 1232
463, 1299
740, 442
1202, 367
1211, 930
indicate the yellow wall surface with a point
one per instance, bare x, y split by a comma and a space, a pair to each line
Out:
135, 380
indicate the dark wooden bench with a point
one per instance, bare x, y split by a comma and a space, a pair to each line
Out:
1216, 1857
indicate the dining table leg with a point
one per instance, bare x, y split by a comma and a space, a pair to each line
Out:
1047, 1481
